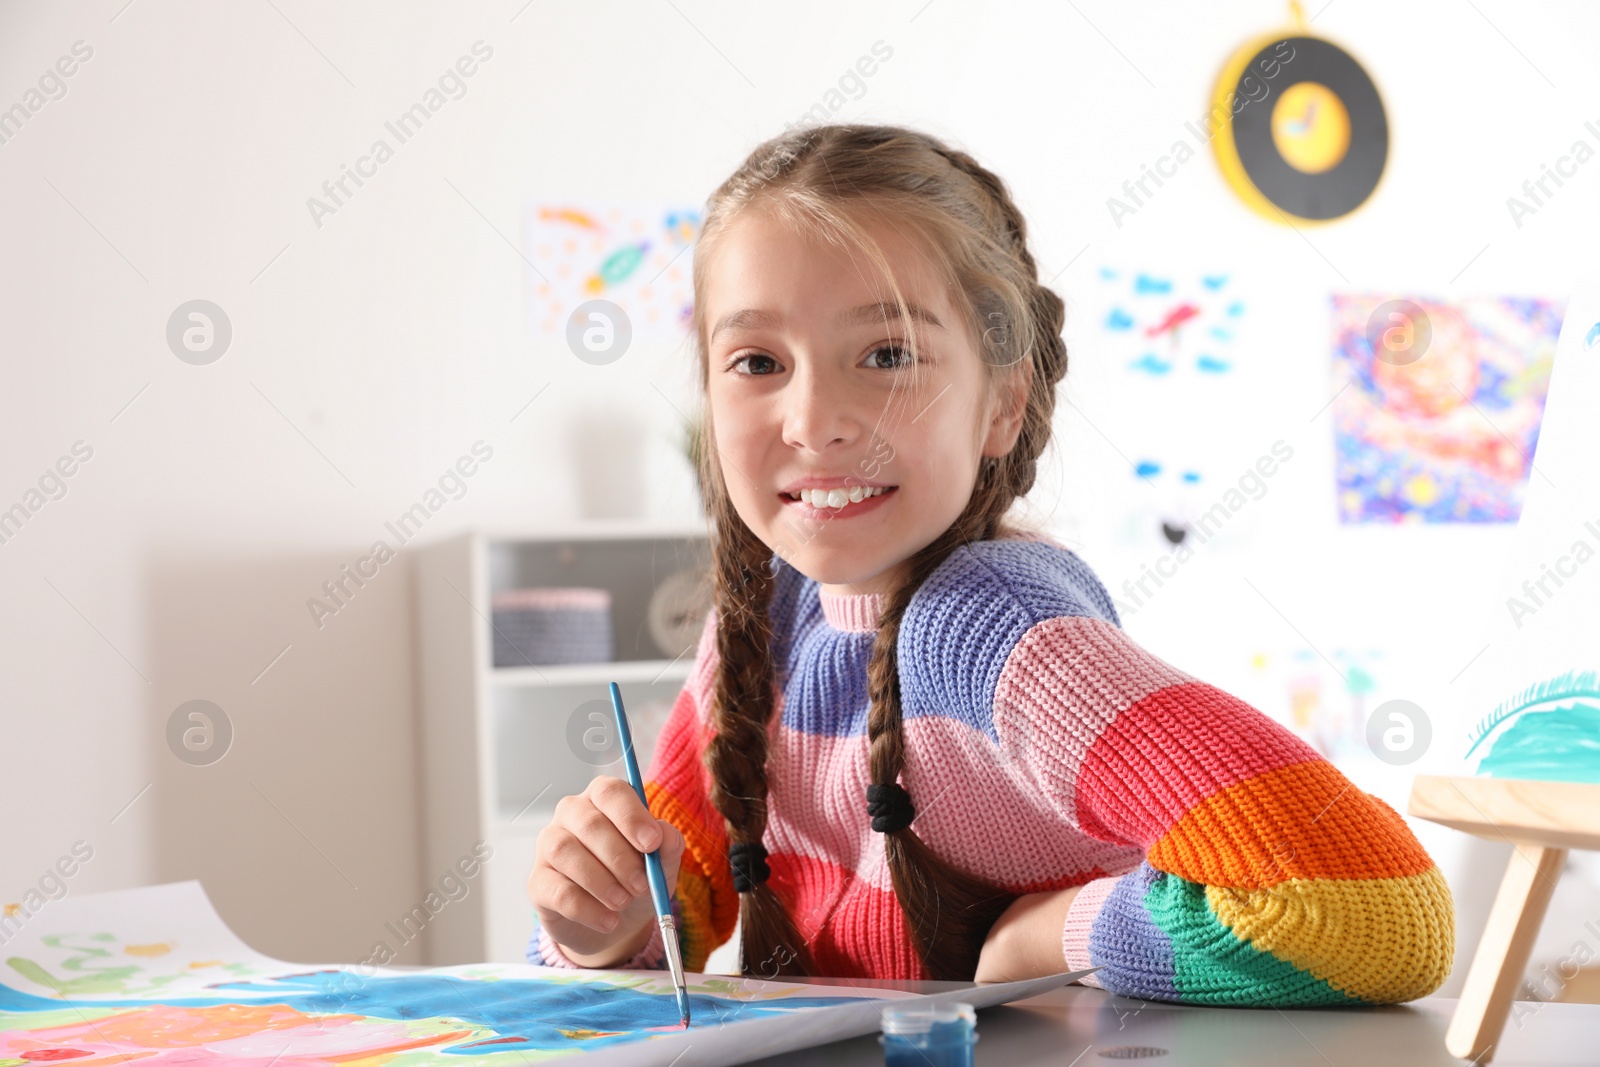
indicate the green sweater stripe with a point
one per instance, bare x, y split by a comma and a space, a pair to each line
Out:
1211, 965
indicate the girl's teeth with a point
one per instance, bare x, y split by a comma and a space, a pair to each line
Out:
838, 498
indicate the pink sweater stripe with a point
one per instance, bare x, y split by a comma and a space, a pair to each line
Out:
1062, 686
977, 795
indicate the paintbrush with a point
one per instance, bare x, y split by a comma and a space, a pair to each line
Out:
652, 862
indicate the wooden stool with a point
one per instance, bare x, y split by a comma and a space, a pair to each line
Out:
1541, 820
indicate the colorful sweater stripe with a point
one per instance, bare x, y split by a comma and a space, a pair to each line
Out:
1221, 859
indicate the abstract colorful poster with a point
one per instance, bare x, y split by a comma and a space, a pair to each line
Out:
1438, 405
638, 257
153, 976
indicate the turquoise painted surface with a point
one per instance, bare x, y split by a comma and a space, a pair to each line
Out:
1558, 744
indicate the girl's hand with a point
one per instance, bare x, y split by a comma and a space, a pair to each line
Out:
588, 884
1025, 942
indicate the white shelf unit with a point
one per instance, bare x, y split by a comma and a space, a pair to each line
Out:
495, 751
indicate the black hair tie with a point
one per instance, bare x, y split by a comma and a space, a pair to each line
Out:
890, 807
749, 862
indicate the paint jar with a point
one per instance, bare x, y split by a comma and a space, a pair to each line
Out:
923, 1035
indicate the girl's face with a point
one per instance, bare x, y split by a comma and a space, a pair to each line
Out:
811, 387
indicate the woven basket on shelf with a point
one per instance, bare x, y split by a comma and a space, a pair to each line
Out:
538, 627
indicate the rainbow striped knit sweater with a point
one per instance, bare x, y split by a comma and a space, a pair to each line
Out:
1222, 859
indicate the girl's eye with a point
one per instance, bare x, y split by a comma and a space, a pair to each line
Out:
759, 358
761, 365
898, 350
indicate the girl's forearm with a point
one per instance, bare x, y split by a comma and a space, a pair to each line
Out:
1025, 942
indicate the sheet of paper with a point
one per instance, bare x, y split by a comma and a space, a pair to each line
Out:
154, 974
1531, 697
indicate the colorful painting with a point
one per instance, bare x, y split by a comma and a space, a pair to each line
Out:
1170, 345
153, 976
1446, 433
1170, 324
1325, 703
640, 258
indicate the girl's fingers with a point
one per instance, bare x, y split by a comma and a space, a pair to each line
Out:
616, 798
571, 856
561, 895
672, 848
632, 830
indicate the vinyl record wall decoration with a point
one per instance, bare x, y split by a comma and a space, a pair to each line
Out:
1312, 146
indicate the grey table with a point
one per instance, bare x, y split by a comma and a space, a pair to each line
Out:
1076, 1026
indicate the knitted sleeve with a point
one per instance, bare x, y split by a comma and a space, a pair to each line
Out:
1268, 878
677, 787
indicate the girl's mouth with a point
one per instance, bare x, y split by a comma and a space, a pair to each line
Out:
828, 504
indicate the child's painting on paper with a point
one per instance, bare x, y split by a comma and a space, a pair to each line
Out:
154, 976
1535, 687
1438, 405
637, 257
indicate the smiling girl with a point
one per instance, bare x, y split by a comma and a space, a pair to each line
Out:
917, 742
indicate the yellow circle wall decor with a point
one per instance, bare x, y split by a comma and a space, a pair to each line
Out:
1302, 135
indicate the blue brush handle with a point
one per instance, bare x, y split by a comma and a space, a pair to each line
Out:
652, 859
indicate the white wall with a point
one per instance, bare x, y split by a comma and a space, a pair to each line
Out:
378, 347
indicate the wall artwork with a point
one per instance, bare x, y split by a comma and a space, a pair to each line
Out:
1171, 339
637, 256
1445, 435
1324, 701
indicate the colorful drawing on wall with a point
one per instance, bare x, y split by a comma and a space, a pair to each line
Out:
1174, 338
154, 976
1448, 436
1324, 703
638, 257
1175, 513
1164, 324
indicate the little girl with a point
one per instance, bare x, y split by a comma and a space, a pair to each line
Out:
917, 742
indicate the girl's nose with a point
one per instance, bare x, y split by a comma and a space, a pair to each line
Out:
818, 412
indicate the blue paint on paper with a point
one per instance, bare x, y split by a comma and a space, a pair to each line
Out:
1119, 320
523, 1013
1148, 284
1150, 363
